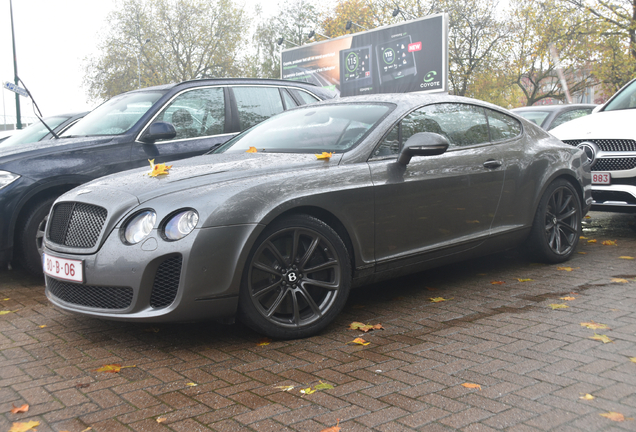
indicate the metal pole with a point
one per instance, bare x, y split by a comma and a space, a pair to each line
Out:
15, 72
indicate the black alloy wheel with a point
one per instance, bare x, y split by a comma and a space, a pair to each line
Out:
30, 238
557, 224
297, 279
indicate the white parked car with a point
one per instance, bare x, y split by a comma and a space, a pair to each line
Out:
608, 137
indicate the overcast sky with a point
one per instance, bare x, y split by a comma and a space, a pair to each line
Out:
52, 40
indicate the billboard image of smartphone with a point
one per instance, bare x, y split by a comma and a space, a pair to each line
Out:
394, 60
355, 69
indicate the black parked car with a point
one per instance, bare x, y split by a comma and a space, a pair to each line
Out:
162, 123
38, 132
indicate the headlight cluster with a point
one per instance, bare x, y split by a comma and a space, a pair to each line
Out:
174, 227
6, 178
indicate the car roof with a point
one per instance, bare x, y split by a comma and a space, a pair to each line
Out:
204, 81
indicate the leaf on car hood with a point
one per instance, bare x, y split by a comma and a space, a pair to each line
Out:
324, 155
158, 169
251, 150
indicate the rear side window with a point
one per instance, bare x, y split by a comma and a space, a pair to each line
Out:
502, 126
256, 104
570, 115
304, 97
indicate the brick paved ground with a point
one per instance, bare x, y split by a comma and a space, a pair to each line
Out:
533, 363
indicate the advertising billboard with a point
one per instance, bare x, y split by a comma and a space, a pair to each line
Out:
400, 58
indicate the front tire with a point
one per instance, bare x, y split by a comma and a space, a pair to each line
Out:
29, 241
296, 280
557, 223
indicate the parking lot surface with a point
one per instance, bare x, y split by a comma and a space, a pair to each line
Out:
489, 354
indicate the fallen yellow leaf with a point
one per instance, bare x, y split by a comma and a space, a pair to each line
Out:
23, 427
613, 416
632, 359
567, 268
558, 306
439, 299
158, 169
619, 280
112, 368
588, 217
567, 298
497, 282
42, 326
18, 410
610, 243
6, 299
602, 338
307, 391
251, 150
587, 397
192, 384
323, 386
360, 341
626, 257
364, 327
6, 312
324, 155
471, 385
264, 341
161, 419
583, 238
525, 280
592, 241
594, 325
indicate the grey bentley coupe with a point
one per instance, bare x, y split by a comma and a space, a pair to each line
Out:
278, 224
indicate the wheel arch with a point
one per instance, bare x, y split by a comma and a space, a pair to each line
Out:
567, 176
327, 217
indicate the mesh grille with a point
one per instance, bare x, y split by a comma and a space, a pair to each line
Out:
614, 164
608, 144
90, 296
76, 224
164, 289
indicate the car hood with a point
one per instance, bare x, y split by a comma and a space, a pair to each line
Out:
49, 146
601, 125
203, 171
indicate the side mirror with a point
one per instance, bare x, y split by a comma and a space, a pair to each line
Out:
158, 131
423, 144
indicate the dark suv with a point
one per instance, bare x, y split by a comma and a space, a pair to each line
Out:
162, 123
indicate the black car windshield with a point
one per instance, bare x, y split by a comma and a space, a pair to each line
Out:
35, 132
316, 129
115, 116
626, 99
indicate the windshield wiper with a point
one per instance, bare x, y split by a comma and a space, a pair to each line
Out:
35, 105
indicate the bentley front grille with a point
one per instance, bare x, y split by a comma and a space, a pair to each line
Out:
76, 224
99, 297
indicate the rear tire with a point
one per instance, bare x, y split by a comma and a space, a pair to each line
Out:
557, 223
296, 279
31, 236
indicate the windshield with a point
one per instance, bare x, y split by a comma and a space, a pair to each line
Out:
626, 99
537, 117
34, 132
115, 116
316, 129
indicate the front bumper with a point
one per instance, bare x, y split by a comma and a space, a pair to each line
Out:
195, 278
615, 198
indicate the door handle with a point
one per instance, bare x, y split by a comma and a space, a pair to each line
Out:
492, 164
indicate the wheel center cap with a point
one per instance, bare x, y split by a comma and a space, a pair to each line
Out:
292, 277
554, 221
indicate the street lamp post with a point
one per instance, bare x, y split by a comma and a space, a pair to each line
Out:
138, 64
15, 73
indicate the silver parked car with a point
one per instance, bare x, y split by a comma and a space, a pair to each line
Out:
280, 222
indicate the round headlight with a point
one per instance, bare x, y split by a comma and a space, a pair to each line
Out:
181, 224
139, 226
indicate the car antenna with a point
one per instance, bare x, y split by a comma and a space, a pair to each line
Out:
38, 108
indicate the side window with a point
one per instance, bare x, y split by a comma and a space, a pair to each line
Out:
256, 104
289, 101
569, 115
390, 145
196, 113
304, 97
461, 124
502, 126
